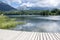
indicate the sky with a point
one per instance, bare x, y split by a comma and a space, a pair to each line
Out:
33, 3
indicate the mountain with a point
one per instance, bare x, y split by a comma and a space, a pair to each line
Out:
23, 8
33, 8
5, 7
39, 8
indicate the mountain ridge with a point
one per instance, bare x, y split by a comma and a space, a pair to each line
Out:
33, 8
5, 7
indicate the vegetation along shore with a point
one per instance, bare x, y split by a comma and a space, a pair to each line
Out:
6, 22
32, 12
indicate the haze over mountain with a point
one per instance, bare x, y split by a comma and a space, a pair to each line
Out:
5, 7
33, 8
33, 4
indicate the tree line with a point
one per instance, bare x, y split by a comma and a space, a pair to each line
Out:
32, 12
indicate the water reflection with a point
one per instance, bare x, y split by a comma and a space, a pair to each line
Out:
49, 27
39, 24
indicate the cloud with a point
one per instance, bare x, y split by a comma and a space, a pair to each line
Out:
34, 3
27, 4
42, 3
18, 1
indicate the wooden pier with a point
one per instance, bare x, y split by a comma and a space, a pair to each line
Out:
22, 35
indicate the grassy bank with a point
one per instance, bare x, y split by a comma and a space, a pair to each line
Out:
6, 23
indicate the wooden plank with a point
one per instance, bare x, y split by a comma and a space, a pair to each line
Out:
57, 35
17, 36
47, 36
44, 36
32, 36
8, 35
54, 38
22, 35
37, 36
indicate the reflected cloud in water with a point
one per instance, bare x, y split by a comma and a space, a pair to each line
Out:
40, 24
49, 27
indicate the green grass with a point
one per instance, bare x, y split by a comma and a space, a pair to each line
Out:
6, 23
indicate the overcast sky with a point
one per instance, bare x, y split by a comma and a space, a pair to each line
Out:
33, 3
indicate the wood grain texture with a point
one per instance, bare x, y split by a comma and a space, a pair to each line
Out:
22, 35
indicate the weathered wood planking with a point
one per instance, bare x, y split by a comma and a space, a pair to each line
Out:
22, 35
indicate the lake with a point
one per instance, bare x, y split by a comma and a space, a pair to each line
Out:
36, 23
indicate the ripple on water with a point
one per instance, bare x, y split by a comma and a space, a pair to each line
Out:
28, 25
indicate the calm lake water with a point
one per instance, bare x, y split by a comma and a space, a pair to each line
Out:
38, 23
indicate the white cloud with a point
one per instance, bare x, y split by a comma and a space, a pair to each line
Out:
27, 4
42, 3
36, 3
51, 2
19, 1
